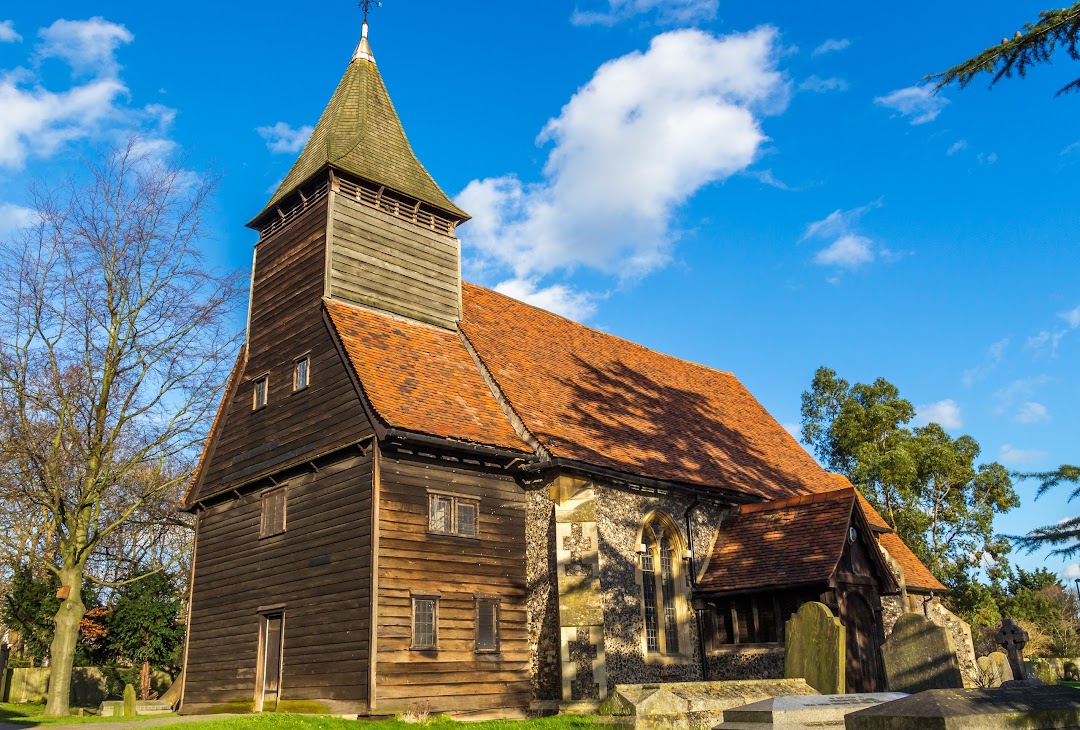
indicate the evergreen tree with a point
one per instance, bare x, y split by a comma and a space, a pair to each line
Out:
1033, 45
1065, 535
28, 609
143, 625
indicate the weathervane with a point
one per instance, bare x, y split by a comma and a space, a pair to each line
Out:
366, 5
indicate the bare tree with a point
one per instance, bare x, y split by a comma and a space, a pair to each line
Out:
115, 340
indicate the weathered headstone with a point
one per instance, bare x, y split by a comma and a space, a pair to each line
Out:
129, 701
919, 655
688, 705
788, 713
1029, 708
1012, 639
994, 669
814, 648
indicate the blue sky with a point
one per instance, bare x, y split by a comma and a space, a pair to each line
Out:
760, 187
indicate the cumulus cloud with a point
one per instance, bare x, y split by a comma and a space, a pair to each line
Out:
636, 142
945, 413
1032, 412
918, 103
13, 217
88, 46
1048, 340
283, 139
1013, 456
7, 32
39, 121
818, 85
990, 361
1071, 572
557, 298
831, 45
666, 11
846, 248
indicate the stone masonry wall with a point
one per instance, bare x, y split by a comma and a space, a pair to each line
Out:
543, 604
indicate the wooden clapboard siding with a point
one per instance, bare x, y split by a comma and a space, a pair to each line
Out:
381, 261
459, 569
286, 323
326, 607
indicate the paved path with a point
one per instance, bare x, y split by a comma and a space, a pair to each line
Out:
129, 725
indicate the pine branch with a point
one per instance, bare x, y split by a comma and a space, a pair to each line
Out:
1034, 45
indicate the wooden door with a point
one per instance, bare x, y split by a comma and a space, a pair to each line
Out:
863, 647
271, 668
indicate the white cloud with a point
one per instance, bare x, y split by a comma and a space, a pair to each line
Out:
667, 11
832, 44
7, 32
847, 248
1032, 412
818, 85
987, 158
956, 147
1072, 317
1071, 572
1018, 390
88, 46
991, 360
945, 413
556, 298
1013, 456
920, 103
848, 251
13, 217
283, 139
632, 145
1046, 341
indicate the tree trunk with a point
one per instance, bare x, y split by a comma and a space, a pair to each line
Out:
65, 639
144, 682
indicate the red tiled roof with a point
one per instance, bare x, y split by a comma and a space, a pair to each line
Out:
788, 542
592, 397
421, 378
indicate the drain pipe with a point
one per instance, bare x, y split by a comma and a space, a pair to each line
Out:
697, 606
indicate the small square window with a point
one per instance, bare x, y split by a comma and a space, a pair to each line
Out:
452, 515
273, 513
301, 373
424, 626
487, 625
258, 398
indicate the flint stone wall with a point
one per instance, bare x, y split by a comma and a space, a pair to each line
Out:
732, 663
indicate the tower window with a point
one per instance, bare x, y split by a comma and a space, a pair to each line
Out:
258, 396
273, 513
301, 373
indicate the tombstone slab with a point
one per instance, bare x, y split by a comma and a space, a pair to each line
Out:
1038, 708
801, 713
688, 705
919, 655
815, 643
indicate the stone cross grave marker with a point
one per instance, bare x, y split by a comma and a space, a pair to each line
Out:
1013, 639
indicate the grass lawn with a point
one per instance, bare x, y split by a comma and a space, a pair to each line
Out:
31, 715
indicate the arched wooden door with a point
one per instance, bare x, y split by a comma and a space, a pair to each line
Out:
864, 670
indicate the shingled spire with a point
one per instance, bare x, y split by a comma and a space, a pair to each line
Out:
360, 134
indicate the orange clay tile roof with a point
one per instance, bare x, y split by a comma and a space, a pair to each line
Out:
421, 378
790, 542
595, 398
916, 575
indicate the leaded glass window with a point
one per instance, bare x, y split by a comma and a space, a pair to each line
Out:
424, 628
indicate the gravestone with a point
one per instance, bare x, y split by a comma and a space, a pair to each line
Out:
1028, 708
688, 705
130, 707
814, 648
795, 713
1012, 639
919, 655
995, 669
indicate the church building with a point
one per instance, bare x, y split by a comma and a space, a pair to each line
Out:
421, 492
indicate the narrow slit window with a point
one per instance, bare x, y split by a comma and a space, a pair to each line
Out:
258, 396
424, 626
487, 625
301, 373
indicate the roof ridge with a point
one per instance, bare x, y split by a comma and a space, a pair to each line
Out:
602, 333
797, 501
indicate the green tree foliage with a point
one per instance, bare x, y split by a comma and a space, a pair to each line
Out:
1033, 45
1064, 535
925, 483
143, 626
28, 609
1041, 598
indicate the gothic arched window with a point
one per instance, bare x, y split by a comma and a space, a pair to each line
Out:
661, 571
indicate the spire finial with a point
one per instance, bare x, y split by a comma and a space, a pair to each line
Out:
363, 51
